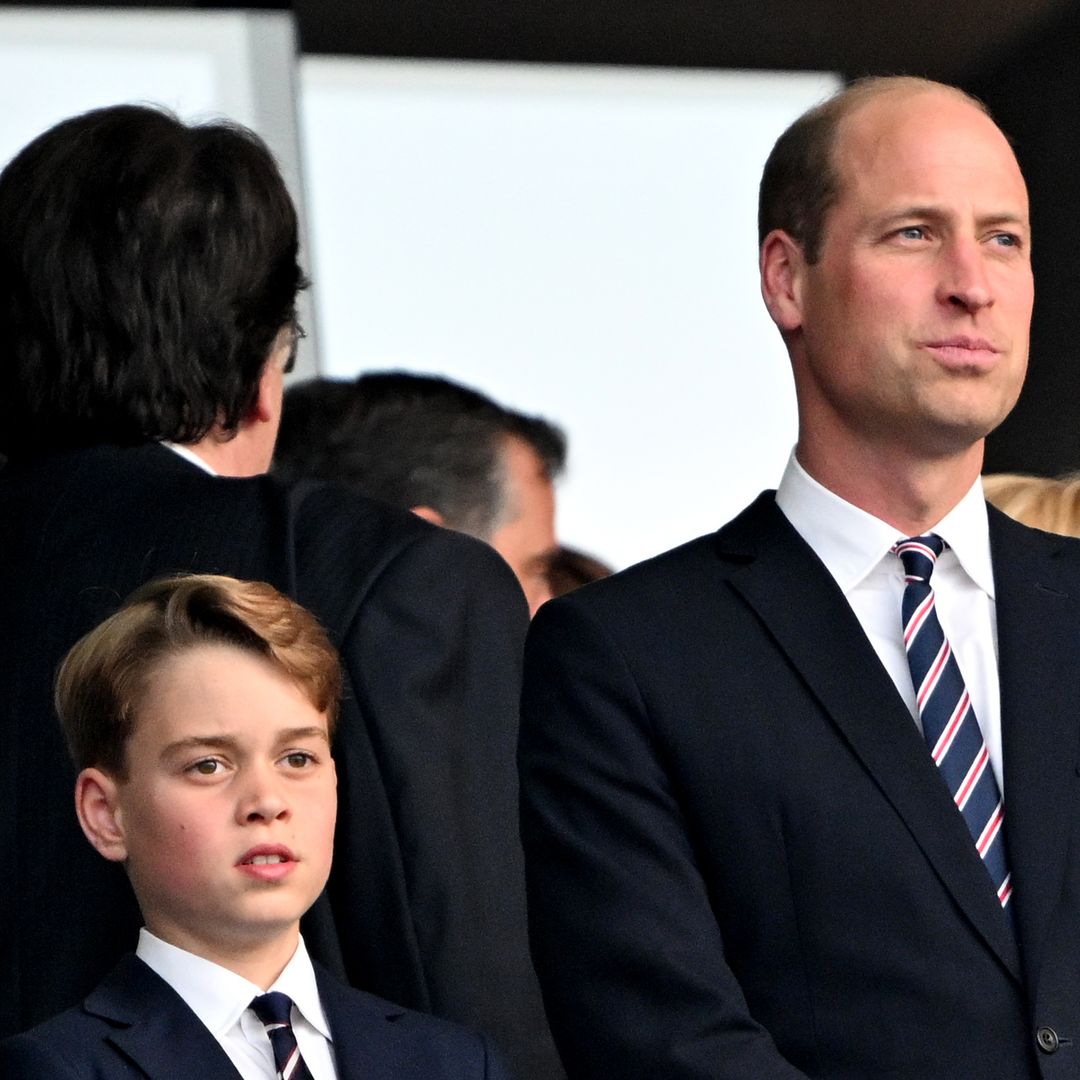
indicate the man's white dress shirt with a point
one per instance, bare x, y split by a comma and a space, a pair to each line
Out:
220, 999
189, 455
855, 548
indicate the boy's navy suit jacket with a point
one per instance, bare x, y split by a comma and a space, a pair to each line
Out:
135, 1025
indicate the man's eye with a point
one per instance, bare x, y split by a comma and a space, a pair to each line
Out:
299, 759
912, 232
1007, 239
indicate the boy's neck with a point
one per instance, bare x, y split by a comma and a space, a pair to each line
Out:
260, 962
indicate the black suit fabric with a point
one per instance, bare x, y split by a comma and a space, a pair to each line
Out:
741, 859
135, 1025
425, 904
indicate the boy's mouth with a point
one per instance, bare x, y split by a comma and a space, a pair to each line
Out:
267, 862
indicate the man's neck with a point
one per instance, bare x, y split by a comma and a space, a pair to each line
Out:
238, 455
912, 495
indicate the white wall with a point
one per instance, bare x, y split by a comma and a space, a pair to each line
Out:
578, 242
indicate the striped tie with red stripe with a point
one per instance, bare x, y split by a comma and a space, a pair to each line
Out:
948, 718
275, 1012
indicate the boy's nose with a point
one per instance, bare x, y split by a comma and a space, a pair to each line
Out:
262, 801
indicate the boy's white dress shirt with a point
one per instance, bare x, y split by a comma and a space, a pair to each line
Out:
220, 999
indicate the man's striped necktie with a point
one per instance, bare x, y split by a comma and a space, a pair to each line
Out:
948, 719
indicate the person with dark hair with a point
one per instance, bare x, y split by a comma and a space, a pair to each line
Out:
149, 317
799, 798
440, 449
148, 280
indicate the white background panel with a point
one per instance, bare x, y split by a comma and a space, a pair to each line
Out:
578, 242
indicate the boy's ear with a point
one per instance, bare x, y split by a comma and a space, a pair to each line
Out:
97, 806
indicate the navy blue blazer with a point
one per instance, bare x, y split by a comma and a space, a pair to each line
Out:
135, 1025
742, 861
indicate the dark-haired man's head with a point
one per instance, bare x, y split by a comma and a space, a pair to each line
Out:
148, 280
442, 450
902, 288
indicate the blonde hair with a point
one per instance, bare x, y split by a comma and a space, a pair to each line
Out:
1052, 505
104, 678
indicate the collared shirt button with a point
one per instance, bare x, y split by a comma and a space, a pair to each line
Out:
1047, 1038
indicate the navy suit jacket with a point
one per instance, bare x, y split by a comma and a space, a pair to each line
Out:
426, 899
741, 860
135, 1025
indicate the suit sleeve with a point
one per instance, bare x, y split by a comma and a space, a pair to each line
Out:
624, 938
435, 655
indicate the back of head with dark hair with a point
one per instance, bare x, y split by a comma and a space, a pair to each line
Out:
411, 440
145, 269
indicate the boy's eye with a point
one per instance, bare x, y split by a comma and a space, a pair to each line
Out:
299, 759
206, 767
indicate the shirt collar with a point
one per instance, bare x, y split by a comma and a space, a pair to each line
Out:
298, 981
218, 996
851, 542
189, 455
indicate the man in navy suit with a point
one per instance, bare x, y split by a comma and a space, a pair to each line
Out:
747, 852
148, 281
200, 716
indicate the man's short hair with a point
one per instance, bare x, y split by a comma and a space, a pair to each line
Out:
412, 440
799, 183
146, 267
105, 678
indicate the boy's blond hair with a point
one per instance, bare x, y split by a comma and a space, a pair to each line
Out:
104, 679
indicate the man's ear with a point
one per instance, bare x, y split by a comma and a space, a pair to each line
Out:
429, 513
266, 401
783, 268
97, 805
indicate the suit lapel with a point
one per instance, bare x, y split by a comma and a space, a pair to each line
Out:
1037, 593
364, 1048
802, 607
155, 1029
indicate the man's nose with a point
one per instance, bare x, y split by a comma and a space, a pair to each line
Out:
965, 282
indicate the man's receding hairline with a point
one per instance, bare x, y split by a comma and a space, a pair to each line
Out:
864, 93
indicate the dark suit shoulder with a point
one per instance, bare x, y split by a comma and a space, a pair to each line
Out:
340, 536
401, 1043
132, 1023
674, 589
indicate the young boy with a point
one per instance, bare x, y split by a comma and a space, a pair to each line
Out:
200, 716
